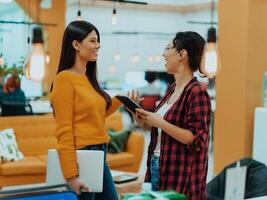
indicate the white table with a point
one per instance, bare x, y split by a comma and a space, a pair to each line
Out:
41, 106
260, 135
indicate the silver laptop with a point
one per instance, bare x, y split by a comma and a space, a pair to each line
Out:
90, 164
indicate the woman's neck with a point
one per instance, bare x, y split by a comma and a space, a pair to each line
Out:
79, 66
181, 79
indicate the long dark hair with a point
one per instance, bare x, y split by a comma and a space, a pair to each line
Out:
78, 30
194, 44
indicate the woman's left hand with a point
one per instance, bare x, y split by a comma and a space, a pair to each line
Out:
134, 95
152, 119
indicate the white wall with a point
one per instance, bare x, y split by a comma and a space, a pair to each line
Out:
14, 36
162, 27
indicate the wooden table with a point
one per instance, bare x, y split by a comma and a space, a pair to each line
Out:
128, 187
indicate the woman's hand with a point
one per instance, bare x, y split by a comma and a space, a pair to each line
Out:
134, 96
77, 185
150, 118
140, 122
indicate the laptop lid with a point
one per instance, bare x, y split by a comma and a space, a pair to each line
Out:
90, 164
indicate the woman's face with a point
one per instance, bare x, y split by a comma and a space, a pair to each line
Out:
88, 47
172, 59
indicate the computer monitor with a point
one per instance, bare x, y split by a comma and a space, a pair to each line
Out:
30, 88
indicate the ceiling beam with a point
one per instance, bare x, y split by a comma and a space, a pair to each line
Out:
31, 7
149, 7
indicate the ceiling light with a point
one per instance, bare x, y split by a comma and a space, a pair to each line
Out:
157, 58
112, 68
47, 58
209, 64
114, 19
79, 14
150, 59
117, 57
35, 69
135, 59
2, 61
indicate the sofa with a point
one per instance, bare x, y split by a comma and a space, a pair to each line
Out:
36, 134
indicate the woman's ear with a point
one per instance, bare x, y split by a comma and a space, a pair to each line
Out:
183, 53
76, 45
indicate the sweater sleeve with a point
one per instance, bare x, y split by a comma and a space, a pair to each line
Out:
115, 104
62, 98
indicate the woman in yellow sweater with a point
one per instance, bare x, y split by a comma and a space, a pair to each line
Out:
81, 106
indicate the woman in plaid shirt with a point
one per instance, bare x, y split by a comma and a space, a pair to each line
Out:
178, 151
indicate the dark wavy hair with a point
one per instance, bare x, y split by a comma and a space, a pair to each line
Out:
194, 44
78, 30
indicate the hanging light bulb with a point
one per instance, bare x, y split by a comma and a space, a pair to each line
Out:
157, 58
135, 59
35, 69
112, 68
2, 61
1, 46
79, 14
211, 60
150, 59
117, 57
47, 58
114, 19
209, 63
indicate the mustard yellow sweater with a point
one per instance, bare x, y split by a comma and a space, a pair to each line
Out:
80, 114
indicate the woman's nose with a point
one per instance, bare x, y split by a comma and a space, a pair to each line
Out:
98, 45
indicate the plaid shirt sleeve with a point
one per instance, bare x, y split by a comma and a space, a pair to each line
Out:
198, 117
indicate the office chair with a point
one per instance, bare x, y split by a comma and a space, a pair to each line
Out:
149, 102
15, 108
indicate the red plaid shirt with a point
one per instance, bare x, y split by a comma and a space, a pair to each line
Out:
184, 167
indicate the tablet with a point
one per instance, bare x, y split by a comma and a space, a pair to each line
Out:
131, 105
124, 178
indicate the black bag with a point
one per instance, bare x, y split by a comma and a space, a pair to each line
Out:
256, 180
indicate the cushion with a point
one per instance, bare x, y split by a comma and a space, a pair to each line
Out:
8, 146
29, 165
42, 157
120, 159
118, 140
114, 121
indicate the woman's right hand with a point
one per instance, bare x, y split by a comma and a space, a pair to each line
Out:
77, 185
140, 121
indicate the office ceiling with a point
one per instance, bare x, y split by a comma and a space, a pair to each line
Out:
5, 7
174, 2
182, 6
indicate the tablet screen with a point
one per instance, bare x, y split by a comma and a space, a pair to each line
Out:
124, 178
131, 105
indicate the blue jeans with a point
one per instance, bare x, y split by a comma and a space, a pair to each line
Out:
154, 171
109, 192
